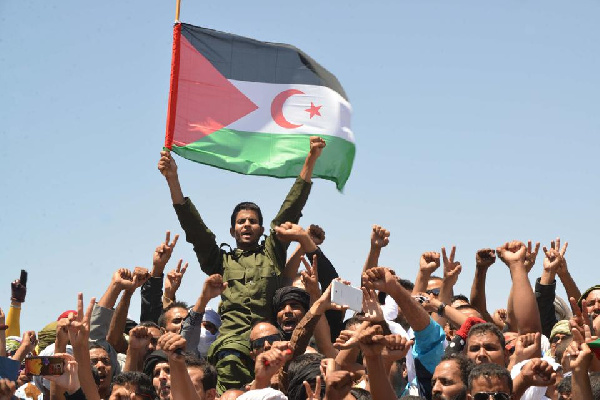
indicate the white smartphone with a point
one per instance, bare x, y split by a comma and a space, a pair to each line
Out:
345, 295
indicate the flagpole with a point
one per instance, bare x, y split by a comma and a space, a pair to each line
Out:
177, 9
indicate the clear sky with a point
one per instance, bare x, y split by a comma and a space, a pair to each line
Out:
475, 123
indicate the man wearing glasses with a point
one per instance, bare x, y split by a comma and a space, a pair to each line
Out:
490, 382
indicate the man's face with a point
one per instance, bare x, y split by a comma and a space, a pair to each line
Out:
593, 303
260, 333
486, 348
161, 380
155, 335
446, 382
197, 374
247, 230
289, 315
489, 384
433, 286
101, 360
174, 318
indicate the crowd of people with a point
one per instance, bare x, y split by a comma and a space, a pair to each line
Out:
277, 334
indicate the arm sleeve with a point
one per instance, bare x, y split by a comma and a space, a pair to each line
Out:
13, 320
544, 295
99, 324
427, 352
152, 299
299, 341
198, 235
327, 273
290, 211
78, 395
190, 331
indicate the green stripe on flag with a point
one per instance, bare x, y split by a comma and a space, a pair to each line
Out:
276, 155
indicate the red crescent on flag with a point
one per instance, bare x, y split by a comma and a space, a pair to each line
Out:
277, 108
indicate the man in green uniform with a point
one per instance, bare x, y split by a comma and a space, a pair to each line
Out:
253, 271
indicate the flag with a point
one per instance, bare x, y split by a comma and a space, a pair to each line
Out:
250, 107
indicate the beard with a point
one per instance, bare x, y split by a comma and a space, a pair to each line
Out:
462, 395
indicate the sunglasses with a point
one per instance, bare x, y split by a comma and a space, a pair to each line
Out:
491, 395
435, 292
259, 343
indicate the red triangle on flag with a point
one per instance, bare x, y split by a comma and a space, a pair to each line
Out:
206, 100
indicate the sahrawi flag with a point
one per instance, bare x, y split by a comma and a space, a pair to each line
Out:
251, 107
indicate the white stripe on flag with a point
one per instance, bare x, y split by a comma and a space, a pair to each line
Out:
335, 110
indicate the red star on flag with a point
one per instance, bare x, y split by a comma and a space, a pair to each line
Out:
313, 110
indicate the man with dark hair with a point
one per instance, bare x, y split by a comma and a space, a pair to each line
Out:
253, 271
203, 376
171, 318
290, 305
485, 344
450, 378
156, 366
490, 381
127, 383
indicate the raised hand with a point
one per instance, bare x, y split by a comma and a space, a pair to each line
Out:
324, 302
62, 334
162, 254
7, 389
288, 232
579, 357
484, 258
531, 256
317, 234
18, 288
3, 325
371, 307
370, 340
79, 325
379, 278
167, 165
173, 344
528, 346
140, 276
429, 262
512, 253
451, 268
316, 395
139, 338
173, 280
213, 286
69, 380
555, 256
122, 279
396, 346
380, 237
500, 316
310, 278
268, 363
538, 372
338, 384
317, 145
29, 341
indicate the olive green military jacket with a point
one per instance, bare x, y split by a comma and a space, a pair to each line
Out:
253, 276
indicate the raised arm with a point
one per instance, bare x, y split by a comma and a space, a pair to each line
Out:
429, 262
372, 345
119, 320
383, 279
173, 282
79, 334
484, 258
152, 290
182, 387
526, 315
317, 145
191, 325
168, 167
18, 291
380, 237
563, 272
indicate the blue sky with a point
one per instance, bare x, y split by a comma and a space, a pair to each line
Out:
475, 123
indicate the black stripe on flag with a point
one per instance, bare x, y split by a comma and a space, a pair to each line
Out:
245, 59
